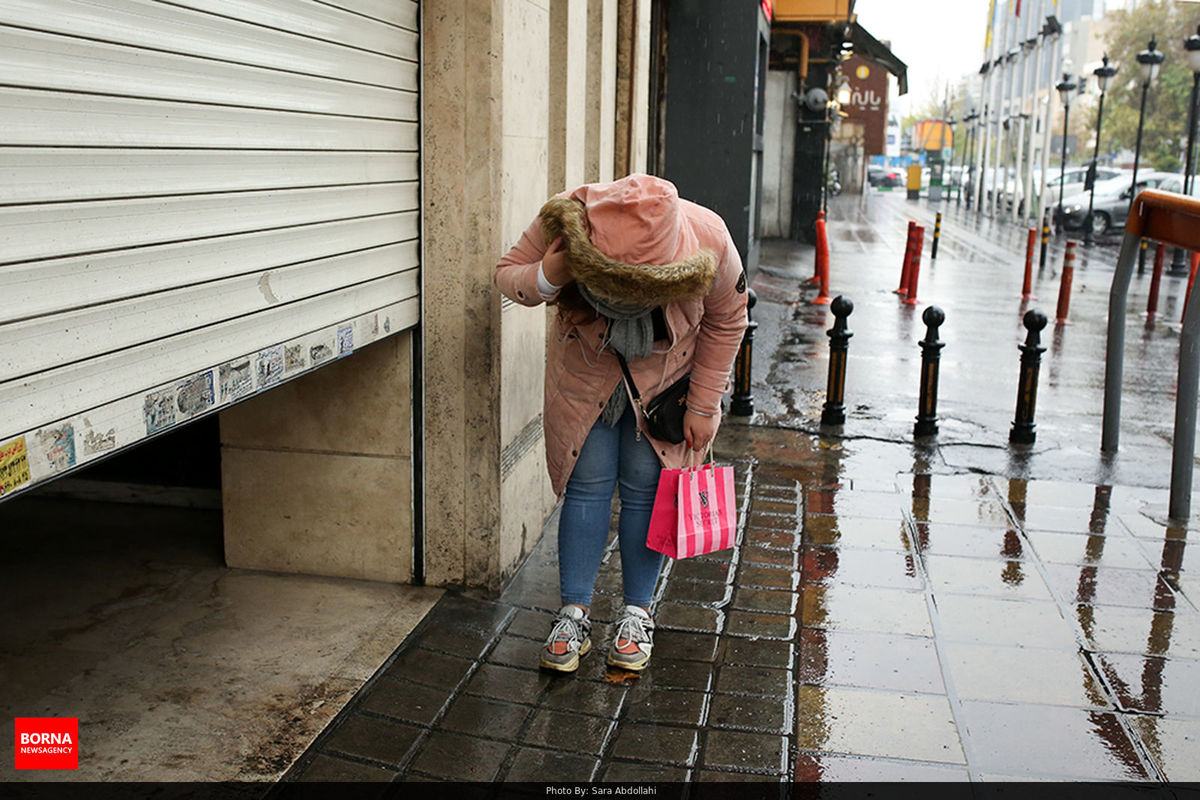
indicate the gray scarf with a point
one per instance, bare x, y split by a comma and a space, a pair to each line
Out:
630, 333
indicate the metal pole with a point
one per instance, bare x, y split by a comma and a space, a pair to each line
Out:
1137, 148
742, 402
1046, 133
1062, 170
1177, 259
1184, 451
1087, 221
1114, 360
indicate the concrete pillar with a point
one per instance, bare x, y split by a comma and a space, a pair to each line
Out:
567, 82
633, 86
317, 474
600, 112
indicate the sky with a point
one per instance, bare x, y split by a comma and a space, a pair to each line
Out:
939, 40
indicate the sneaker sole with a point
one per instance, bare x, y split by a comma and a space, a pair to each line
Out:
568, 666
635, 666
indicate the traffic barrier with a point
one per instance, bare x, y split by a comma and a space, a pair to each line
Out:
914, 271
1024, 430
822, 297
906, 265
1064, 285
931, 356
834, 412
1027, 286
1160, 254
820, 254
937, 235
741, 404
1045, 240
1173, 220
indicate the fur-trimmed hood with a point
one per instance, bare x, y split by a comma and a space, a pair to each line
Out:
628, 242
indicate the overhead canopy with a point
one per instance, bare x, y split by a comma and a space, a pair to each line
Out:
872, 49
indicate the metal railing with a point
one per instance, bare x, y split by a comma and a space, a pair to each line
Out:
1172, 219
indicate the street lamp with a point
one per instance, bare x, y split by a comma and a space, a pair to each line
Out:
1104, 76
1066, 88
968, 153
1149, 61
1191, 48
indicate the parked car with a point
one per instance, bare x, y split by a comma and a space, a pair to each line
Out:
1073, 179
884, 176
1110, 207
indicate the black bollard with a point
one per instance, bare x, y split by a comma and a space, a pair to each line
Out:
1145, 244
937, 234
931, 356
742, 402
1023, 430
1045, 241
839, 335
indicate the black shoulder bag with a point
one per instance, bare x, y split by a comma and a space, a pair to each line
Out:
664, 415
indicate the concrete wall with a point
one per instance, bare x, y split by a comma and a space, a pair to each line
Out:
779, 145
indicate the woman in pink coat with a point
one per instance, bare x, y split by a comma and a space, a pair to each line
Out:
633, 269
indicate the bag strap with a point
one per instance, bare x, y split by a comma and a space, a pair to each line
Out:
637, 396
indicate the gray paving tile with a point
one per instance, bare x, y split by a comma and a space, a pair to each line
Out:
669, 706
677, 616
751, 751
565, 731
508, 683
455, 757
405, 700
633, 772
684, 646
765, 714
657, 744
374, 739
757, 652
331, 769
548, 766
599, 698
429, 668
759, 681
479, 715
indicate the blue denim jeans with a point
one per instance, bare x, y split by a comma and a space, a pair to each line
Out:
610, 456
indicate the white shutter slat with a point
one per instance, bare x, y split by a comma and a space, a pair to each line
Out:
61, 229
62, 119
31, 402
46, 342
156, 26
398, 12
47, 287
48, 61
64, 174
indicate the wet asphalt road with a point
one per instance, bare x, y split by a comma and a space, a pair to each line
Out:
951, 609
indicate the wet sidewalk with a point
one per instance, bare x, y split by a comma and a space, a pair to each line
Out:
950, 609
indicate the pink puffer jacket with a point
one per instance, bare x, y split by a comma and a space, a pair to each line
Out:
705, 333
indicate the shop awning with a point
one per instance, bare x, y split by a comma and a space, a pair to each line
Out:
872, 49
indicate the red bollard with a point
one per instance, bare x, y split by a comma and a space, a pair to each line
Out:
1160, 253
821, 254
1027, 287
915, 271
907, 266
822, 297
1064, 286
1191, 280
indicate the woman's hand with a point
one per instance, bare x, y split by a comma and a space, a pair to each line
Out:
698, 431
554, 265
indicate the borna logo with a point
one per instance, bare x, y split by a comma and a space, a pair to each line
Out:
47, 742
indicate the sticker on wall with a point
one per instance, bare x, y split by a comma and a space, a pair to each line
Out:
374, 325
58, 444
269, 366
158, 410
387, 324
345, 341
235, 379
319, 353
293, 357
95, 443
195, 394
14, 465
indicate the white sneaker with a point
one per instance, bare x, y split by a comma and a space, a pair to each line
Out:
633, 640
570, 638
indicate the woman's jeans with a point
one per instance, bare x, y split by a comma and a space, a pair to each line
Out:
610, 456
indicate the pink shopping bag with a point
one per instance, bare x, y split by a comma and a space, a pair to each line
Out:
665, 516
694, 512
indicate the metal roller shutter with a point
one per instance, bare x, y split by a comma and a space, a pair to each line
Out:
198, 200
